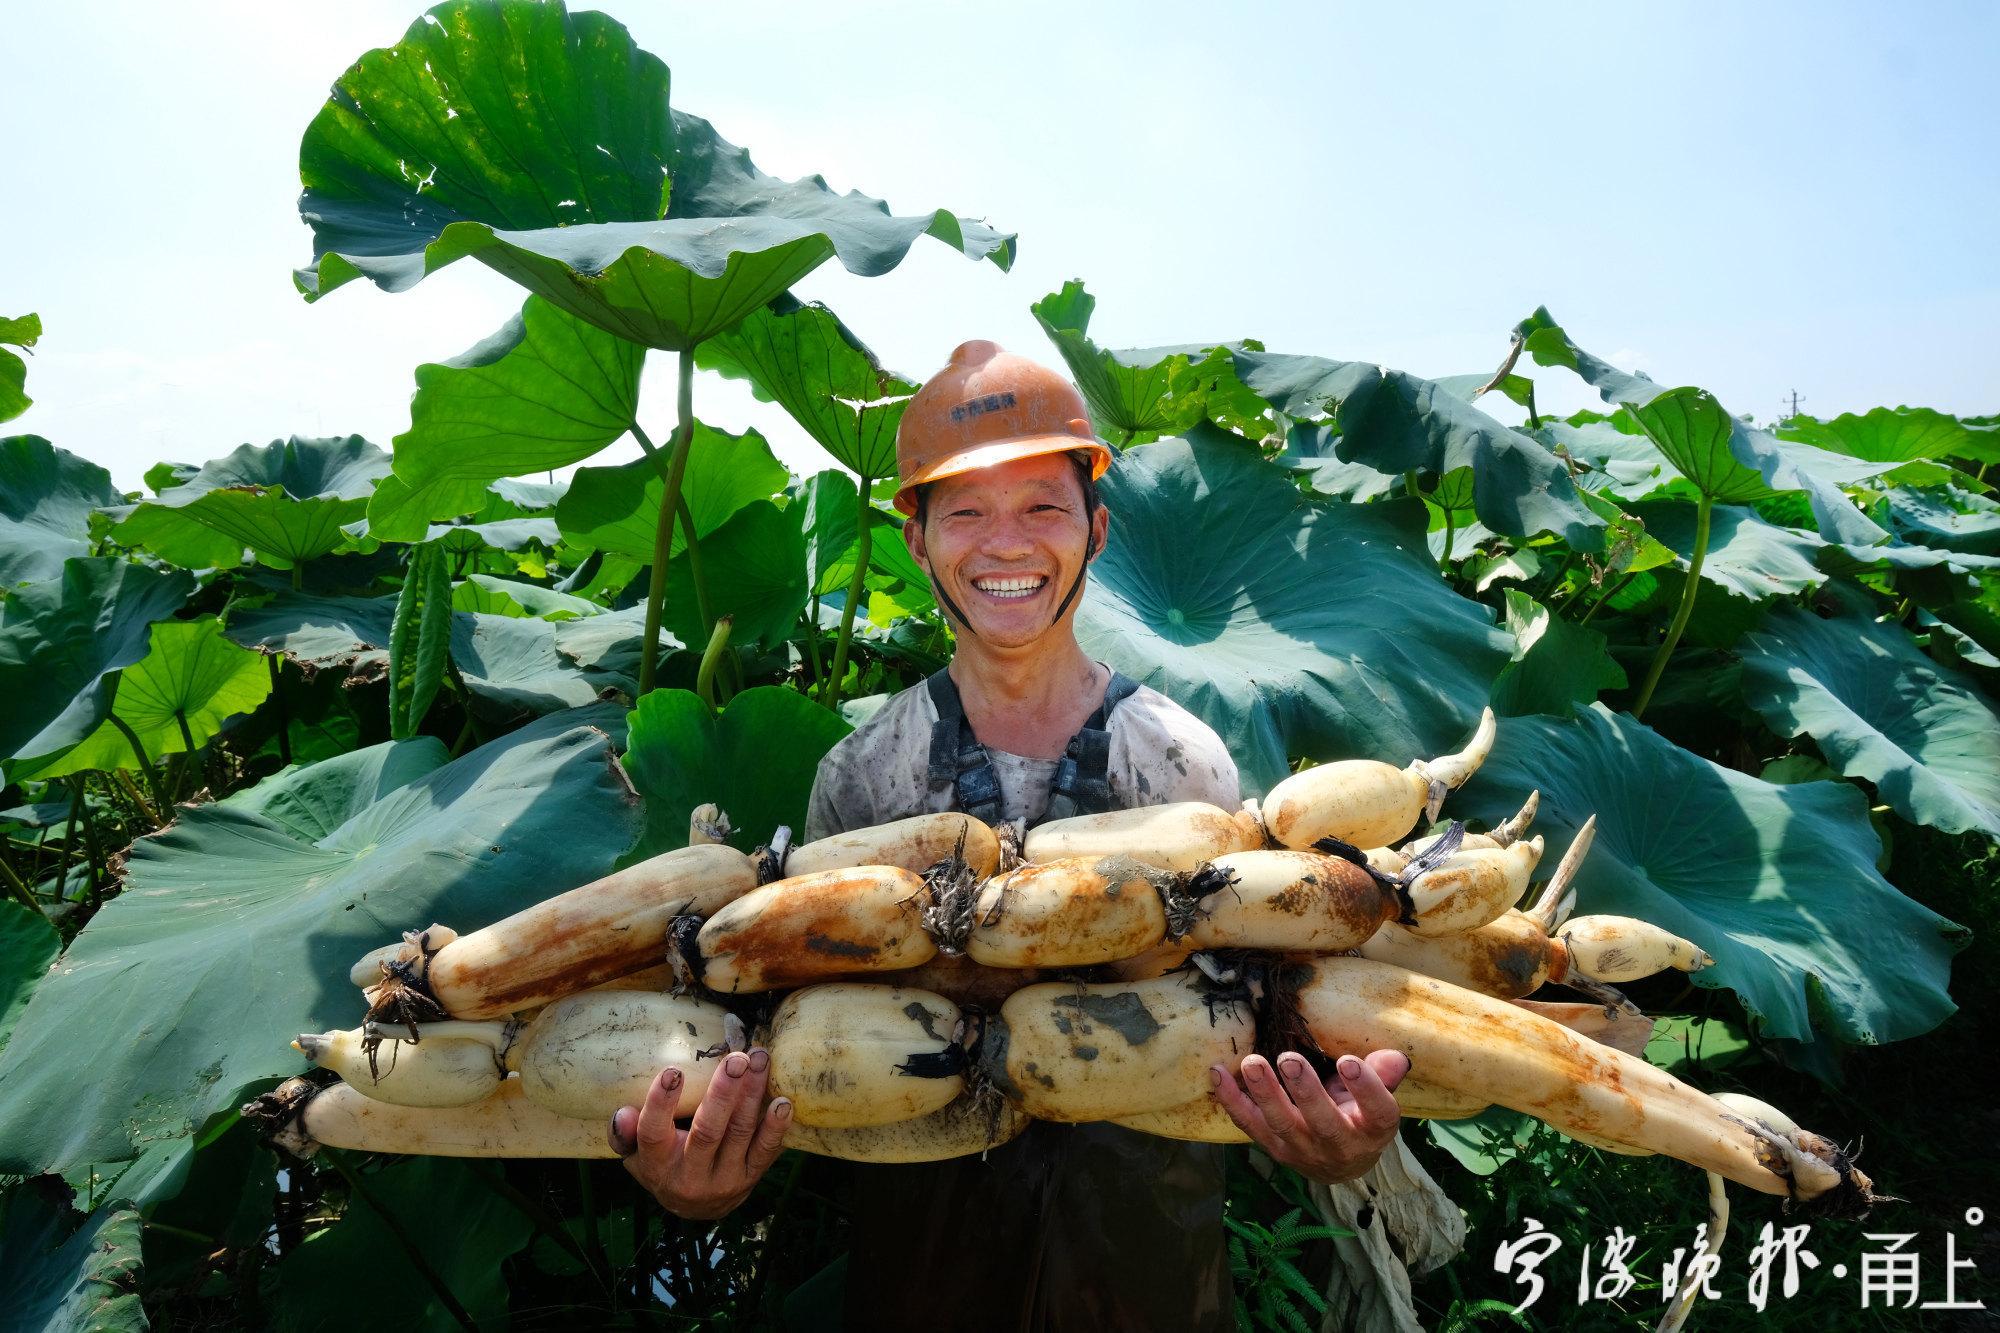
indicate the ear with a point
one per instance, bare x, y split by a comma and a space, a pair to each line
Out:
1100, 531
913, 537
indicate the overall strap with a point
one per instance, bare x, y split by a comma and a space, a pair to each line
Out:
957, 760
1083, 783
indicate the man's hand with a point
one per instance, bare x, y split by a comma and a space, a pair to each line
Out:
707, 1169
1327, 1133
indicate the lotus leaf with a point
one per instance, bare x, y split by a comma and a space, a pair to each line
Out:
1746, 556
1782, 465
1881, 710
1292, 627
64, 1278
1397, 423
22, 331
1777, 882
541, 142
1892, 435
239, 922
545, 391
754, 568
492, 595
28, 944
508, 660
1139, 394
285, 500
46, 498
755, 758
62, 642
1946, 517
1558, 664
191, 675
804, 359
617, 509
1312, 448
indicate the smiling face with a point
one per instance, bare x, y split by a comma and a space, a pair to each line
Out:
1005, 543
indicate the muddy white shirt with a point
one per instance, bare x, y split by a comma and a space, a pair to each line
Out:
1160, 752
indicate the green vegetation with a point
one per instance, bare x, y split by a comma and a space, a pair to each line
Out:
1765, 657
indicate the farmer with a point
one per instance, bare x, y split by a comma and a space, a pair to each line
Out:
1068, 1226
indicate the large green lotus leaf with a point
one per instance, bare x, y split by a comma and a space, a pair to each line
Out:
1879, 709
46, 498
1746, 555
1558, 664
285, 500
1136, 395
1783, 465
63, 1278
541, 142
617, 509
190, 674
507, 660
828, 505
754, 568
546, 391
168, 534
62, 640
804, 359
239, 922
1397, 423
504, 534
1946, 517
1891, 435
463, 1227
1622, 462
756, 758
610, 642
1292, 627
492, 595
1777, 882
1691, 429
1313, 449
28, 944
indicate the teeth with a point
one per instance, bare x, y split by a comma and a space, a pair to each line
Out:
1010, 588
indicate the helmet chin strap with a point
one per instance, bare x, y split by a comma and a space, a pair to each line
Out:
1088, 552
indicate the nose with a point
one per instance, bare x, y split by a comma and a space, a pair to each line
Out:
1005, 538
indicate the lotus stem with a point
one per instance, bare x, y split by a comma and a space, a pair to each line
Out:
1704, 508
145, 766
403, 1239
20, 889
284, 719
1450, 530
1607, 595
855, 586
694, 567
663, 533
711, 657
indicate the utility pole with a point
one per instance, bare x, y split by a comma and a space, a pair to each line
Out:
1796, 400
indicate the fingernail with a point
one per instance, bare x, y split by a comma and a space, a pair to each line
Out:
670, 1079
782, 1109
760, 1059
611, 1137
1349, 1066
735, 1064
1293, 1069
1215, 1076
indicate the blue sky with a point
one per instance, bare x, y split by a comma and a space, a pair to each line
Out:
1753, 198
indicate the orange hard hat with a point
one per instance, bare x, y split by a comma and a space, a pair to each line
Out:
985, 408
